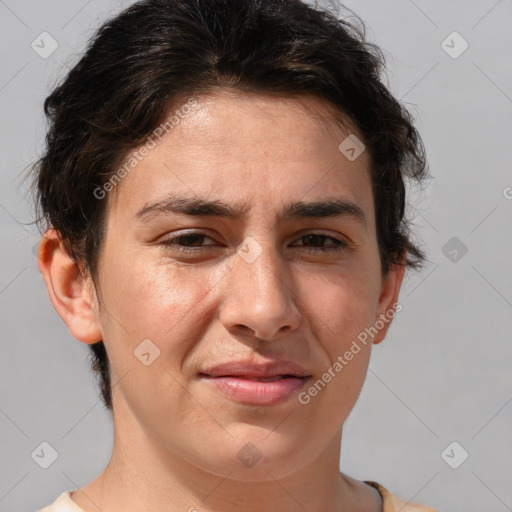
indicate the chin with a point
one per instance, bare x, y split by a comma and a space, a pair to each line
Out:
253, 460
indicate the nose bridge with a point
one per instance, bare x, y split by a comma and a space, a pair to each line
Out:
260, 295
263, 271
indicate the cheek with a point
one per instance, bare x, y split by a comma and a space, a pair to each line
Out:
159, 303
340, 311
341, 303
153, 321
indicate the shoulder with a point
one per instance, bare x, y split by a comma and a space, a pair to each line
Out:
63, 503
392, 503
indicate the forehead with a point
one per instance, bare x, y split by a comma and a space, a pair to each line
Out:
261, 127
254, 148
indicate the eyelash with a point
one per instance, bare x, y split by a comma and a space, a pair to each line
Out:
338, 246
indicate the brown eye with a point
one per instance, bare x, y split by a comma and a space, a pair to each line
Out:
313, 239
191, 243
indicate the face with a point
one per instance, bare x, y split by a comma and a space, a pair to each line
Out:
243, 235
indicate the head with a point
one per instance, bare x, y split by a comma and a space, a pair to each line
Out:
221, 125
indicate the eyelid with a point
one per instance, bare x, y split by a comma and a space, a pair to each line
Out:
182, 234
328, 237
313, 231
327, 233
337, 244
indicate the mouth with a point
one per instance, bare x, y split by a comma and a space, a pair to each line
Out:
272, 378
256, 390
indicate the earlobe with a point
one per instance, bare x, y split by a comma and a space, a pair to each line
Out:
388, 300
72, 296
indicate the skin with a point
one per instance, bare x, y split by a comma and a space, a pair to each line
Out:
176, 438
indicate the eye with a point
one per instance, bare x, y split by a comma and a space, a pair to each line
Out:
192, 243
335, 244
187, 243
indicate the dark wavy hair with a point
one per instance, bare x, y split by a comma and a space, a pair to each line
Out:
143, 61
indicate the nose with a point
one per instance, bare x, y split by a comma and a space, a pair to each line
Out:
259, 296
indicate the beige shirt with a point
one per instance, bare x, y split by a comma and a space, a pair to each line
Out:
64, 503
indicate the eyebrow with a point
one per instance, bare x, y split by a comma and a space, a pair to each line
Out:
194, 206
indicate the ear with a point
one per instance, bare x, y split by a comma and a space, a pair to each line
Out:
73, 297
388, 300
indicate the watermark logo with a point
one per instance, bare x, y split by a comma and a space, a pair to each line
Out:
454, 249
249, 250
351, 147
249, 455
454, 45
44, 45
454, 455
146, 352
44, 455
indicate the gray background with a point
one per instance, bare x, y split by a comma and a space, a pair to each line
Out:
444, 372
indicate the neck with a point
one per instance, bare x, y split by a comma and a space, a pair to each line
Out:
145, 475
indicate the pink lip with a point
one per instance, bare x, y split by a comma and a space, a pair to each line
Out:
250, 368
251, 382
256, 392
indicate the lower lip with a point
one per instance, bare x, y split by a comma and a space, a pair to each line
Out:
254, 392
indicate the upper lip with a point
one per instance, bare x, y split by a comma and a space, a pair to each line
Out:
256, 370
